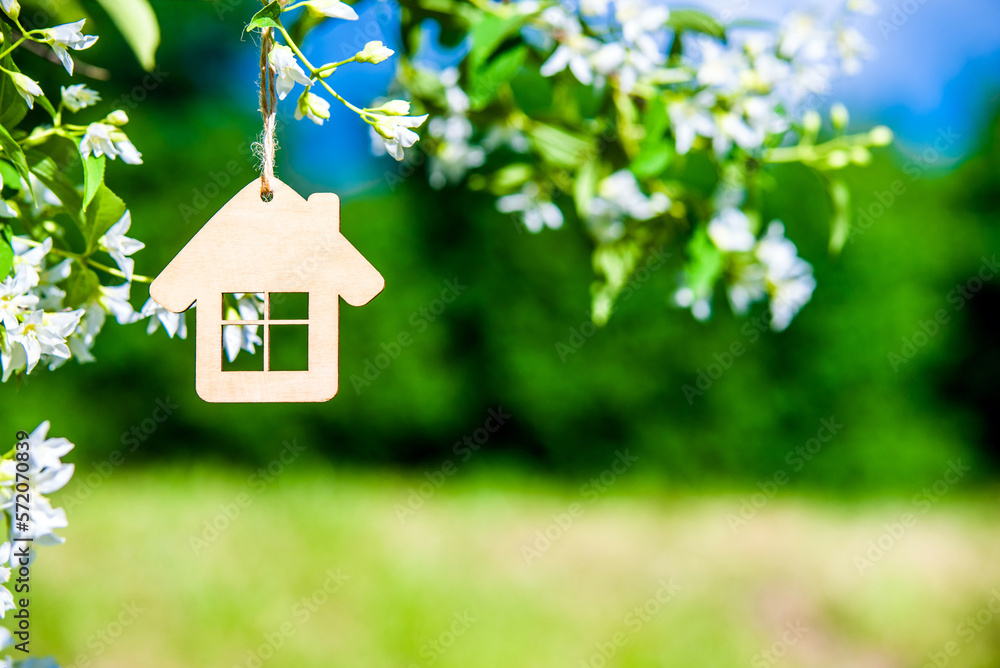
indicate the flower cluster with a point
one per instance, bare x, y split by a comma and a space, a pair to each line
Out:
55, 296
390, 122
602, 106
30, 470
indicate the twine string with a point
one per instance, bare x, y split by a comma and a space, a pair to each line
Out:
268, 110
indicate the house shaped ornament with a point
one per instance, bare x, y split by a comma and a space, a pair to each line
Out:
286, 245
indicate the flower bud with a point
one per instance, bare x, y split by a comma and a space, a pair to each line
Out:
117, 118
394, 108
374, 52
839, 116
14, 10
880, 136
811, 122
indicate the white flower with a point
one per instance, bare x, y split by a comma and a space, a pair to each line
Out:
395, 131
287, 70
622, 190
313, 107
639, 17
374, 52
720, 67
119, 246
853, 48
393, 108
334, 9
454, 155
730, 231
862, 7
629, 62
103, 139
239, 337
173, 323
39, 195
37, 335
78, 96
789, 278
68, 35
115, 300
536, 212
691, 117
15, 295
44, 451
82, 340
26, 87
732, 127
574, 50
458, 101
803, 38
235, 338
619, 197
11, 7
698, 301
746, 285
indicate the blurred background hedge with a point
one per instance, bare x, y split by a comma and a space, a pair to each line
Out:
496, 345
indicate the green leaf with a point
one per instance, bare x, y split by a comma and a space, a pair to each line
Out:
489, 33
559, 147
82, 285
705, 261
652, 160
6, 252
511, 177
14, 153
696, 21
584, 187
840, 224
93, 177
104, 210
615, 263
13, 108
487, 79
266, 18
137, 23
48, 172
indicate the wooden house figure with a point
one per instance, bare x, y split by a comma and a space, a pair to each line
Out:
287, 245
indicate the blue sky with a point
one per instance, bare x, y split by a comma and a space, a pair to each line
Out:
937, 68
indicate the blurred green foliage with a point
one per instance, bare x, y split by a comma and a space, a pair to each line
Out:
503, 341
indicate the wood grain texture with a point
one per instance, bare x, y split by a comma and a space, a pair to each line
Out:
289, 244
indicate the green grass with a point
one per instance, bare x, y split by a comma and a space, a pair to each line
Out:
461, 554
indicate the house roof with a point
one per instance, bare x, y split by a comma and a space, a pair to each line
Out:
289, 244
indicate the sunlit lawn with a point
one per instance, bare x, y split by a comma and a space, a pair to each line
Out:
318, 570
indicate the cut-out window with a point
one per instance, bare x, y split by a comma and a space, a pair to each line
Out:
289, 305
278, 322
289, 347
